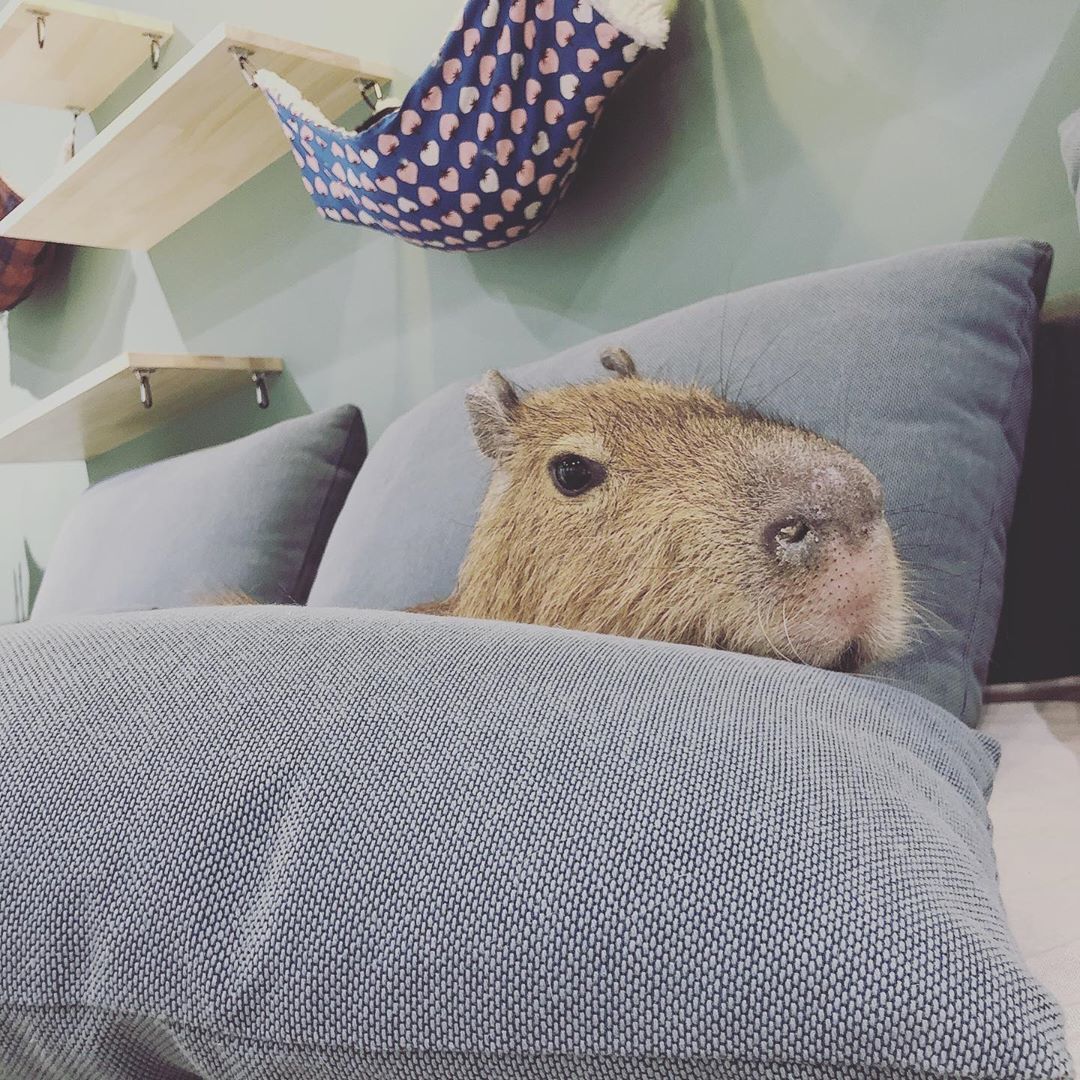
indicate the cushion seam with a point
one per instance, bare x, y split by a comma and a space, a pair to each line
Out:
897, 1072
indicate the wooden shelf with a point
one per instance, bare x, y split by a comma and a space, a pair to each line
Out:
89, 51
198, 133
102, 409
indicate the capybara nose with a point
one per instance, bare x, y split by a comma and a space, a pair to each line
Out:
837, 500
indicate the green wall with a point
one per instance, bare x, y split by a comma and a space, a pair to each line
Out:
769, 139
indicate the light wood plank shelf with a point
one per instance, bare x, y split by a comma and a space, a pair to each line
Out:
88, 52
198, 133
102, 409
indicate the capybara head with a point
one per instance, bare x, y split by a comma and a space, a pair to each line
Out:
643, 509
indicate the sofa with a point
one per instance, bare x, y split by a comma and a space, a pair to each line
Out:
322, 836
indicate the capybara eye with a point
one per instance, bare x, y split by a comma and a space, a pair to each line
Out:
574, 474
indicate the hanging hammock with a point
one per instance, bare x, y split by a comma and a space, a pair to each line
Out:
23, 263
488, 139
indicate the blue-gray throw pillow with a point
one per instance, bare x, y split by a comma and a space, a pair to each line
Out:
920, 364
251, 516
309, 844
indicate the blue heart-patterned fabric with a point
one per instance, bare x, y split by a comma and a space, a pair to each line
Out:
485, 142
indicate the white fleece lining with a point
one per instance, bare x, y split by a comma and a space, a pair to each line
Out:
646, 21
284, 93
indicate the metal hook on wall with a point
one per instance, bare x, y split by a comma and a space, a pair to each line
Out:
40, 18
262, 391
243, 58
368, 87
146, 395
71, 143
155, 50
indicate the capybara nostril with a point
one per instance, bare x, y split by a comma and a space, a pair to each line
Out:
789, 538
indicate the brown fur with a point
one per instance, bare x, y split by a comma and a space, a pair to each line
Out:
227, 598
670, 546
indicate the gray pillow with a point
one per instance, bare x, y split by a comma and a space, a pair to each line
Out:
920, 364
337, 845
250, 516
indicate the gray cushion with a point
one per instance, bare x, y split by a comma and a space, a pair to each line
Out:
333, 845
250, 516
920, 364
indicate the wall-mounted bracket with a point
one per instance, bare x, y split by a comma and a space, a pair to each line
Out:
100, 409
40, 19
55, 53
146, 395
262, 391
155, 50
243, 58
371, 88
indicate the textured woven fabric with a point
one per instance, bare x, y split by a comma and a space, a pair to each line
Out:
251, 516
23, 263
286, 843
919, 364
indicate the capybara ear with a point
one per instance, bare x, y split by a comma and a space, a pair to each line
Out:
620, 362
492, 405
